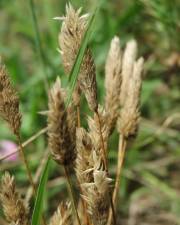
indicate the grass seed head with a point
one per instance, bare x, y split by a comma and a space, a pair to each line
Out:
96, 193
84, 161
128, 60
94, 130
62, 216
15, 210
71, 35
60, 127
9, 101
113, 82
129, 116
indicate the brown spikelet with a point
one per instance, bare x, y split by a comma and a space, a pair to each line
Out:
9, 101
15, 210
84, 162
96, 193
70, 38
129, 115
62, 216
60, 137
113, 82
94, 131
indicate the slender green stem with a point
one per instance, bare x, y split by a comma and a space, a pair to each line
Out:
38, 44
70, 190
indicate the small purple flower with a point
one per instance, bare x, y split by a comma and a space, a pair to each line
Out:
6, 148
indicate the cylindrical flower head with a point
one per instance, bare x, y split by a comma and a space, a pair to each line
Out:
128, 60
113, 82
84, 162
70, 38
96, 193
9, 102
94, 131
15, 210
60, 138
129, 115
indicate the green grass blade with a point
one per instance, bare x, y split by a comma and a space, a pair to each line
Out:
38, 44
76, 67
37, 212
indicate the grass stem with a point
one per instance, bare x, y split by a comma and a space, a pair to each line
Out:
78, 116
121, 155
104, 157
24, 144
70, 190
28, 170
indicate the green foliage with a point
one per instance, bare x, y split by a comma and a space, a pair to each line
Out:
37, 212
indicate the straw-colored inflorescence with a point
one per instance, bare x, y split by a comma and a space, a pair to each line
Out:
61, 127
130, 91
62, 216
96, 193
84, 160
94, 129
70, 38
15, 210
9, 101
113, 82
128, 60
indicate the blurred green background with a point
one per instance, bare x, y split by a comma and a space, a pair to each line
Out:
150, 188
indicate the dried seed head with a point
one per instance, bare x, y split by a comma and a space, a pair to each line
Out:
113, 82
70, 38
84, 160
71, 34
129, 58
9, 102
129, 115
62, 216
15, 210
97, 193
60, 134
94, 129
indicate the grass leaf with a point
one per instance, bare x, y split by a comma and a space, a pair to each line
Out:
37, 212
76, 67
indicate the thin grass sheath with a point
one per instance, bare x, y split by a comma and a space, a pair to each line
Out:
72, 31
15, 210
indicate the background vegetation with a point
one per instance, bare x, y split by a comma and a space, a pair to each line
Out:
150, 185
